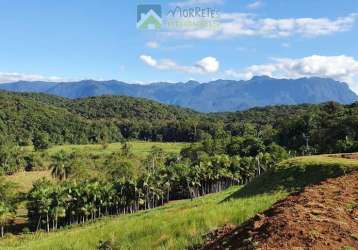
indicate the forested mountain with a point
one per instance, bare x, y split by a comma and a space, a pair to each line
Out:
215, 96
90, 120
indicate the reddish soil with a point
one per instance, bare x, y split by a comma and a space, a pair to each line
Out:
323, 216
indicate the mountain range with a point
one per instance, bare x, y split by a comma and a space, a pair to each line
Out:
214, 96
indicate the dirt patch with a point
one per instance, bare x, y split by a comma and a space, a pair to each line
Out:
352, 156
323, 216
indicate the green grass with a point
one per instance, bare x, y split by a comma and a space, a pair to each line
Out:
173, 226
296, 173
182, 224
139, 148
24, 179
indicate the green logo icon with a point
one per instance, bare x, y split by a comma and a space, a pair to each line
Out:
149, 16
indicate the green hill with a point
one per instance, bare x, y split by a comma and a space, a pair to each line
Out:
182, 224
24, 117
91, 120
123, 107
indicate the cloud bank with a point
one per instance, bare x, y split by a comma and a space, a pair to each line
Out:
243, 24
14, 77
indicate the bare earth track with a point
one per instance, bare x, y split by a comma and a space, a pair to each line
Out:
324, 216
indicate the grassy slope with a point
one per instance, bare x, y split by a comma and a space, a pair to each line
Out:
173, 226
24, 180
181, 224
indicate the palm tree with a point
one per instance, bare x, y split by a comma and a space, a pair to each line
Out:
248, 168
39, 202
6, 215
60, 166
58, 204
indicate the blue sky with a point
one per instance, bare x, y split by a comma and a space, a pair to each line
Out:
83, 39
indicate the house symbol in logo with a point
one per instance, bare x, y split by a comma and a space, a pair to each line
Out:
149, 16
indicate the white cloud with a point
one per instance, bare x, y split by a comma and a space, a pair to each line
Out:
341, 68
147, 82
244, 24
148, 60
143, 82
208, 64
205, 65
152, 45
189, 3
14, 77
255, 5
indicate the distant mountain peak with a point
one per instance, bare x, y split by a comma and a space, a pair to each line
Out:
214, 96
261, 78
192, 82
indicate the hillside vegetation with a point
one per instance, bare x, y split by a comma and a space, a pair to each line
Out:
182, 224
89, 120
92, 181
302, 129
23, 118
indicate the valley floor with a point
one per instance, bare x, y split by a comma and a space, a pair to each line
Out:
323, 216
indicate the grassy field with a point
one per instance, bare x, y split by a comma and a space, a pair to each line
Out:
24, 180
139, 148
182, 224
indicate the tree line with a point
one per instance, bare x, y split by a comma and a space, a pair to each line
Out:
201, 168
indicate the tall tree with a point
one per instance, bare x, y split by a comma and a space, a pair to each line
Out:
11, 155
41, 140
61, 165
8, 203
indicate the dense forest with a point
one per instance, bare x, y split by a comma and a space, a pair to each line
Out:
301, 129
